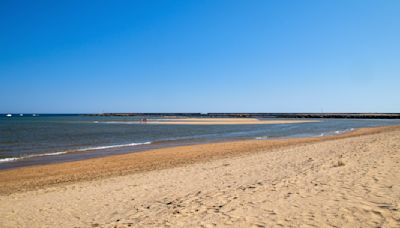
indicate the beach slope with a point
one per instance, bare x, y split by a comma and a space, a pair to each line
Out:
344, 181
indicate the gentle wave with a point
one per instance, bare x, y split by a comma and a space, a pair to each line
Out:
112, 146
262, 137
336, 132
116, 122
8, 159
71, 151
31, 156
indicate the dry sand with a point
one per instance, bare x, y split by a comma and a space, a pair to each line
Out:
350, 180
222, 121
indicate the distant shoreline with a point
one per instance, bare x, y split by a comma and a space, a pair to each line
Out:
221, 121
262, 115
223, 115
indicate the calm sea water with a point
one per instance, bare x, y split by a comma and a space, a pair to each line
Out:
29, 140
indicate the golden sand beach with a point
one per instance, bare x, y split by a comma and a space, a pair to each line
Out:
349, 180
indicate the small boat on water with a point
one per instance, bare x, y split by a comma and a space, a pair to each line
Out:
8, 115
21, 114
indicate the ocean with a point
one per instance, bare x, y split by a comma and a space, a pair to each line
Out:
42, 139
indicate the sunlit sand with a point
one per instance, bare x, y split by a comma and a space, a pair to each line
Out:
345, 180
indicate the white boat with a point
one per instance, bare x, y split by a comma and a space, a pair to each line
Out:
21, 114
8, 115
33, 114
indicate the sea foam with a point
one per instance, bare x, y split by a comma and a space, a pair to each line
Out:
71, 151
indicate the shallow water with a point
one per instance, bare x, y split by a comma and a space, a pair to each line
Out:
42, 139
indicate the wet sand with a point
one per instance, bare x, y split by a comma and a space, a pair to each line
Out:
347, 180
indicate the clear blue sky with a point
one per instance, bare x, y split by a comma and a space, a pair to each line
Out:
199, 56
